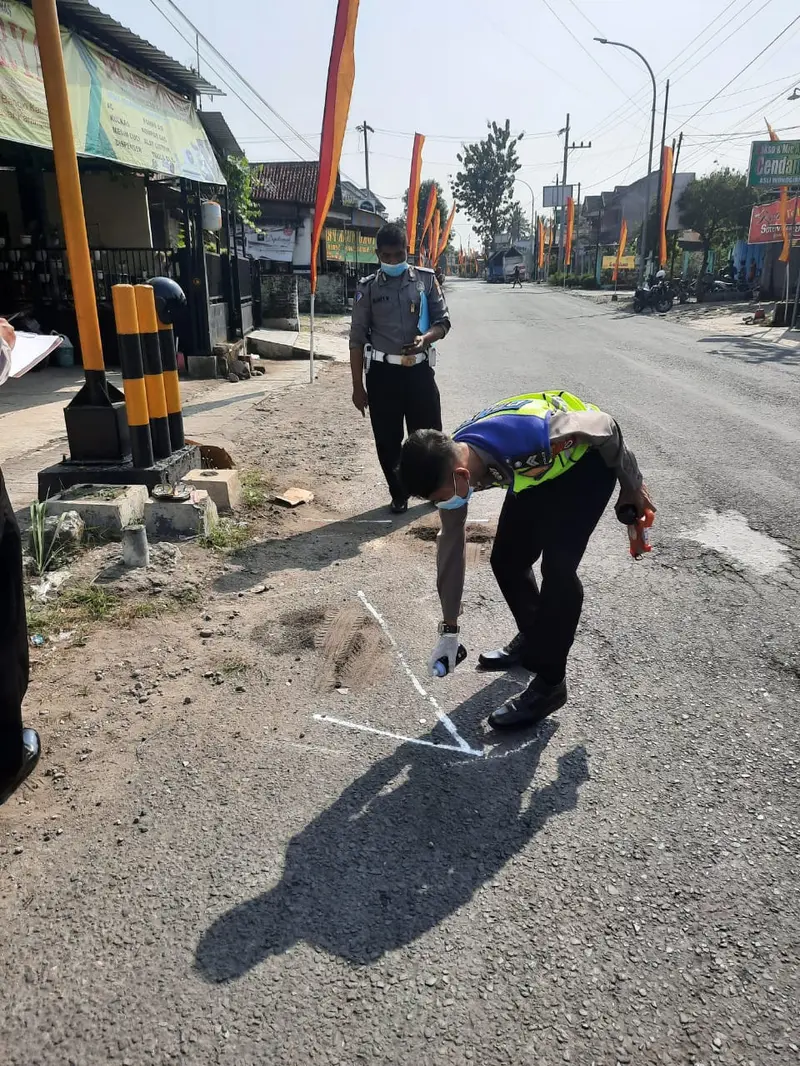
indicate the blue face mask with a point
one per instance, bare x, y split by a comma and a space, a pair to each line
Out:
456, 501
394, 270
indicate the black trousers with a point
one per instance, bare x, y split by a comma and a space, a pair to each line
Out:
400, 394
555, 521
13, 639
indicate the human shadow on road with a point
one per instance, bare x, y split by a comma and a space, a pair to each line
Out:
402, 848
316, 548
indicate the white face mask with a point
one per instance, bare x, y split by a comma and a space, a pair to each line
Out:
456, 501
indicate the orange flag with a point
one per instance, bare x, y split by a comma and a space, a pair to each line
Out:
623, 240
341, 74
540, 236
429, 209
570, 229
785, 233
666, 197
437, 222
413, 193
447, 227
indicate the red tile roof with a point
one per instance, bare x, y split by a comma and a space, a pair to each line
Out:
294, 183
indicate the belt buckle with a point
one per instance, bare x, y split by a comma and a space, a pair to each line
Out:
408, 360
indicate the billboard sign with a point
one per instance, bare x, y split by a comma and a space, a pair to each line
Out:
118, 113
774, 163
626, 262
765, 222
556, 195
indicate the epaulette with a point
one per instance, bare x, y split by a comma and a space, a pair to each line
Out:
369, 277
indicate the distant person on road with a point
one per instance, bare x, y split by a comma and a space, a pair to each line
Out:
515, 277
19, 748
398, 315
558, 459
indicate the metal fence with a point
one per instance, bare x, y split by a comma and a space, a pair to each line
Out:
33, 276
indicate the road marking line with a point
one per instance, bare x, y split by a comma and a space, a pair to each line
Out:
397, 736
443, 718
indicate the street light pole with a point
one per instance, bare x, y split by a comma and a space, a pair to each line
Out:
646, 213
533, 221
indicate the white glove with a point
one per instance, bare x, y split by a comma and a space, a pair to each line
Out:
446, 649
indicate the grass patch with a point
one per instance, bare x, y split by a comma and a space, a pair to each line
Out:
227, 535
254, 490
81, 606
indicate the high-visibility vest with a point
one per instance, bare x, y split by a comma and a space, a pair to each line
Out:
516, 433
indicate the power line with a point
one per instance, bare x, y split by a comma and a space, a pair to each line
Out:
243, 80
584, 49
623, 112
229, 87
747, 66
714, 97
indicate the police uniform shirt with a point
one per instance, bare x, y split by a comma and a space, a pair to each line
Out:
386, 310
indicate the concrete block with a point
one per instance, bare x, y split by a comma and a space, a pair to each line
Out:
223, 486
273, 344
195, 517
106, 508
202, 366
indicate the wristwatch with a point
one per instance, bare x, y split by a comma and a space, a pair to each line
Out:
445, 629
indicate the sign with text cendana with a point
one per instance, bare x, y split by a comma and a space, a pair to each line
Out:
774, 163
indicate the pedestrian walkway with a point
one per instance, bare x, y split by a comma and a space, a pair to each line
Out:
33, 435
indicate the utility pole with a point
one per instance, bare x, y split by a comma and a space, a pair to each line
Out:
365, 129
563, 228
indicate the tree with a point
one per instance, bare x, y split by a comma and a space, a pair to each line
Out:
422, 202
484, 185
240, 196
519, 224
718, 208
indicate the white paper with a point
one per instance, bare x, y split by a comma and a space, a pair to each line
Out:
30, 349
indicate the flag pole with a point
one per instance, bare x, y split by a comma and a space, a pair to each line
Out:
311, 344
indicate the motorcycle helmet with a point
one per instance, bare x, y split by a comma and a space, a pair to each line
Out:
661, 274
169, 297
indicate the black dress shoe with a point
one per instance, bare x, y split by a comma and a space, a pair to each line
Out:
31, 749
531, 707
398, 506
503, 658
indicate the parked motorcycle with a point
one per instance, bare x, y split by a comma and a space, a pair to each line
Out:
657, 295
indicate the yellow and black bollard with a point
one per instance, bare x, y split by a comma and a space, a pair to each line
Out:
172, 388
130, 358
153, 374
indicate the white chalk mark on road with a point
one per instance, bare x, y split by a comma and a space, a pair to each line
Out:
440, 714
397, 736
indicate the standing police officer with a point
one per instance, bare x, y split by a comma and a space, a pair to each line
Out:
398, 314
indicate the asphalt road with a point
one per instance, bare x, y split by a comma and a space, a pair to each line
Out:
620, 887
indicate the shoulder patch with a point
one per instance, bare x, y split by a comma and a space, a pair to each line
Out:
359, 294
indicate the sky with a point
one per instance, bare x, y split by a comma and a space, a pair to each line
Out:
446, 67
